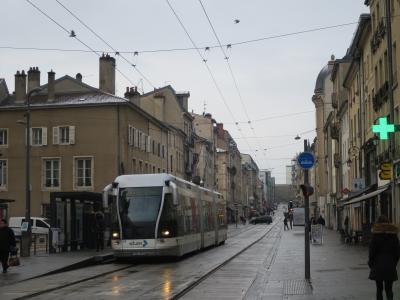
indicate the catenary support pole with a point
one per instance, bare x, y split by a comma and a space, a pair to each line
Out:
306, 223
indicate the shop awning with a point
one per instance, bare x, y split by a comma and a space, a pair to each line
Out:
366, 196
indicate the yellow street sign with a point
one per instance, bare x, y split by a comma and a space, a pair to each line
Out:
385, 171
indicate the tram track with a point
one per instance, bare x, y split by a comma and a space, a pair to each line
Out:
201, 279
72, 283
116, 272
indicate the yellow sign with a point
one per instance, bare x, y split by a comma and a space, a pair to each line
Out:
385, 171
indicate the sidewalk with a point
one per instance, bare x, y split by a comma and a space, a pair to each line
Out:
338, 271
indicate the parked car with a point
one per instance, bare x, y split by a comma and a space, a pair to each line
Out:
261, 219
38, 225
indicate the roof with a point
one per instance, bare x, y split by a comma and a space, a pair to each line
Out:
87, 96
364, 23
176, 95
322, 76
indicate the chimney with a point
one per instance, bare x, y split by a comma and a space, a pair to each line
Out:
50, 86
220, 130
107, 74
20, 87
33, 78
133, 95
78, 77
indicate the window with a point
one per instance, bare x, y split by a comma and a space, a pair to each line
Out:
134, 170
163, 151
38, 136
171, 161
40, 223
154, 169
83, 172
3, 173
159, 150
51, 173
64, 135
140, 167
3, 137
146, 168
153, 147
158, 170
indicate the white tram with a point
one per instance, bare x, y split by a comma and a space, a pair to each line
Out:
162, 215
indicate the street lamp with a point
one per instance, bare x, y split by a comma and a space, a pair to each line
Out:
26, 236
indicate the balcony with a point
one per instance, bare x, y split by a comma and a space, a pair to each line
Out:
378, 36
335, 130
381, 96
336, 160
334, 100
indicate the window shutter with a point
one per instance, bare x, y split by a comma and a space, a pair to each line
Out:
136, 134
143, 142
148, 144
71, 135
31, 136
56, 132
44, 136
130, 135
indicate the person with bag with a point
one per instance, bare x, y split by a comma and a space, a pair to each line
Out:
7, 244
384, 252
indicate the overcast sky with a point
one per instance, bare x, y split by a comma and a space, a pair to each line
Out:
275, 77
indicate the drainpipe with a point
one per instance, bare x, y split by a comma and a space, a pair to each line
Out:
391, 106
118, 142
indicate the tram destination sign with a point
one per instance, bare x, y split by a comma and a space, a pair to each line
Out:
306, 160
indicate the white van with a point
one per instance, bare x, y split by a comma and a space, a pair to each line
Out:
39, 225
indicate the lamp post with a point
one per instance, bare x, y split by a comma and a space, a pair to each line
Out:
27, 235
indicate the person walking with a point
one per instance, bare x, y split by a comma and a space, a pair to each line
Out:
7, 243
384, 251
99, 231
285, 223
291, 218
321, 220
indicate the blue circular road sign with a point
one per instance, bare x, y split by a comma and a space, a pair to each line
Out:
306, 160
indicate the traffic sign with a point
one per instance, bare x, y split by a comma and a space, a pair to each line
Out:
306, 160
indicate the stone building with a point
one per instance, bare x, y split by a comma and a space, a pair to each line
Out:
229, 173
82, 137
205, 149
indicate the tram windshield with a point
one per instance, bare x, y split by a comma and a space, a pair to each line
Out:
138, 208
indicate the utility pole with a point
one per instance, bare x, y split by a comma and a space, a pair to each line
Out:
26, 236
306, 223
391, 100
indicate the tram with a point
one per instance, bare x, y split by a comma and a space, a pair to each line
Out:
163, 215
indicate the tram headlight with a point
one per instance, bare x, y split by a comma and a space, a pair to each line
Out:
115, 235
165, 233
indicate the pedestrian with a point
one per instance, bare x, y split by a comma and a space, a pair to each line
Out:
321, 220
285, 223
291, 218
384, 251
7, 243
346, 225
99, 231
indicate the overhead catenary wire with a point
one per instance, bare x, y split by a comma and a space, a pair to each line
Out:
107, 43
74, 36
137, 52
226, 58
209, 71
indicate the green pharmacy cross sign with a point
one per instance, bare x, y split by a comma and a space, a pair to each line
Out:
383, 129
